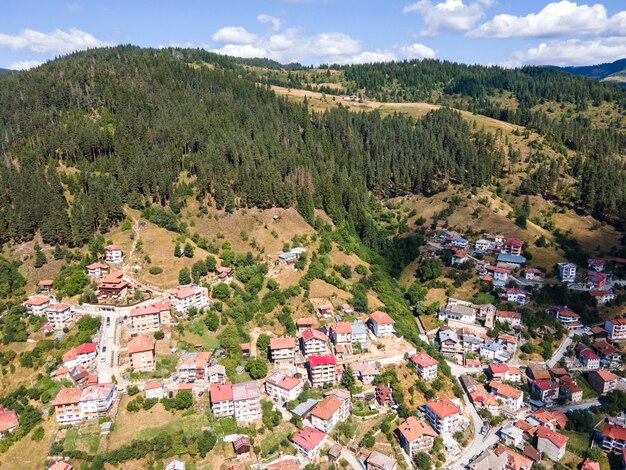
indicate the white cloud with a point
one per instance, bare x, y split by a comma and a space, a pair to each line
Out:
418, 51
58, 41
291, 45
572, 52
74, 7
25, 64
555, 19
333, 44
234, 35
275, 22
449, 15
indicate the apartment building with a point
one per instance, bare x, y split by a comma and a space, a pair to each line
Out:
183, 298
322, 369
443, 415
149, 318
59, 315
415, 436
142, 353
425, 365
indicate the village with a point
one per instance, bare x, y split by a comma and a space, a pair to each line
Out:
505, 412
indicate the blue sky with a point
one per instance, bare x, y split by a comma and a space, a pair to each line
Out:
506, 32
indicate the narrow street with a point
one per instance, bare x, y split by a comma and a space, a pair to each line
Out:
560, 351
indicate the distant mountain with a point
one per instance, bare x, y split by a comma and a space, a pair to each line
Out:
614, 72
5, 70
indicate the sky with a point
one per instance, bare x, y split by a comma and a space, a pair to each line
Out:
510, 33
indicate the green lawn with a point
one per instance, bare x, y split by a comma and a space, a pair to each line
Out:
577, 440
588, 391
70, 439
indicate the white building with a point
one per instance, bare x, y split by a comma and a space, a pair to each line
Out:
38, 304
326, 413
283, 351
185, 297
443, 415
247, 401
283, 387
314, 342
616, 328
381, 324
59, 315
113, 254
425, 365
567, 272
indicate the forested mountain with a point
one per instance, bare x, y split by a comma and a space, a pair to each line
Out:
85, 134
599, 71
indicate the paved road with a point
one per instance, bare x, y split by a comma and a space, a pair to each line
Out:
560, 351
579, 406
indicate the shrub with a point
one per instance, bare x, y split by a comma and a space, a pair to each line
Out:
155, 270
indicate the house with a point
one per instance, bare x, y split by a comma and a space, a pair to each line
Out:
290, 257
616, 329
494, 351
245, 350
83, 355
221, 396
531, 274
537, 373
194, 366
512, 246
314, 342
175, 465
552, 419
415, 435
224, 273
45, 285
283, 387
322, 369
340, 332
512, 436
142, 353
518, 296
217, 374
149, 318
483, 244
596, 279
515, 461
488, 460
595, 264
304, 324
359, 334
114, 286
366, 372
512, 318
308, 441
425, 365
326, 413
459, 257
567, 272
498, 371
9, 421
599, 333
443, 415
183, 298
379, 461
608, 353
241, 447
512, 398
76, 405
459, 313
154, 389
589, 359
602, 381
602, 296
551, 443
382, 394
548, 390
589, 464
97, 269
514, 261
59, 315
572, 392
113, 254
283, 351
459, 242
326, 310
509, 342
570, 319
60, 465
381, 324
38, 304
613, 437
450, 344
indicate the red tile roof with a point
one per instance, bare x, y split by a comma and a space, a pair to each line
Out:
326, 408
141, 343
443, 407
282, 343
37, 300
68, 396
309, 438
311, 333
590, 465
308, 321
605, 375
507, 314
424, 360
513, 241
414, 428
498, 368
219, 392
45, 283
381, 318
614, 432
8, 420
156, 307
97, 266
315, 361
342, 327
557, 439
588, 354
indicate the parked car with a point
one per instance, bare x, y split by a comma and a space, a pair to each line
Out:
485, 428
